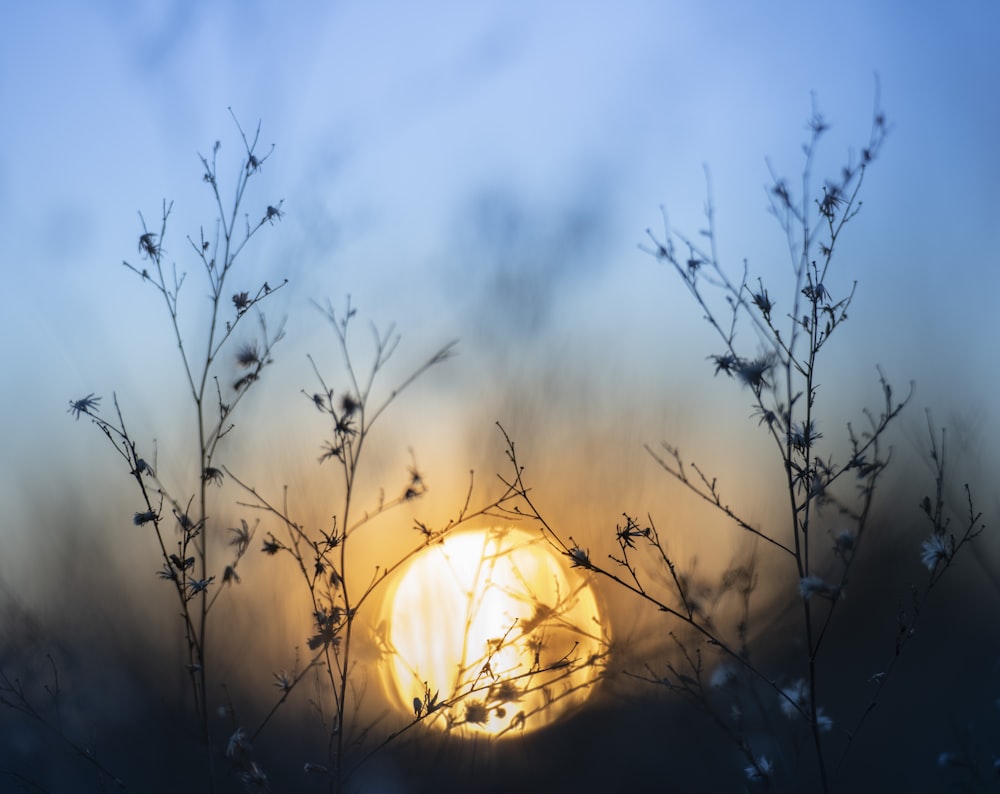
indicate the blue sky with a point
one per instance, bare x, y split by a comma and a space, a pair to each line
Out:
485, 171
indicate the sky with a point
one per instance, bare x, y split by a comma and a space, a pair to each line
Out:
484, 172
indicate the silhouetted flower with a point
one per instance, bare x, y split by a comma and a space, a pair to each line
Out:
753, 373
803, 435
241, 300
627, 534
196, 586
816, 292
832, 199
580, 558
762, 301
475, 712
248, 355
271, 545
143, 518
273, 213
725, 363
148, 246
212, 475
242, 535
85, 405
344, 426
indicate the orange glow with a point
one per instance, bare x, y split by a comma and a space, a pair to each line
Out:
495, 630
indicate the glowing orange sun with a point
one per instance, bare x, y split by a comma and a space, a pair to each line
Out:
490, 632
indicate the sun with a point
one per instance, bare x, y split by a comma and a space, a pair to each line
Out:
490, 632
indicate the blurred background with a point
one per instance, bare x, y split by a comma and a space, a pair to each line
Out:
486, 172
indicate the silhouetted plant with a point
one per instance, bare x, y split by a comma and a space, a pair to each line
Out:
179, 515
713, 664
180, 518
328, 574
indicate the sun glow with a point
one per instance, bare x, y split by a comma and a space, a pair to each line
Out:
491, 632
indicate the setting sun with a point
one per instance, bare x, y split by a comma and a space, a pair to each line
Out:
491, 632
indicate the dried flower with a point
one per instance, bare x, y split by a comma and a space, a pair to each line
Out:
242, 536
196, 586
229, 575
271, 545
331, 451
816, 292
753, 373
803, 435
273, 213
627, 534
212, 475
283, 681
241, 300
580, 558
933, 551
475, 712
83, 406
725, 363
348, 405
762, 301
143, 518
148, 246
832, 199
248, 355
